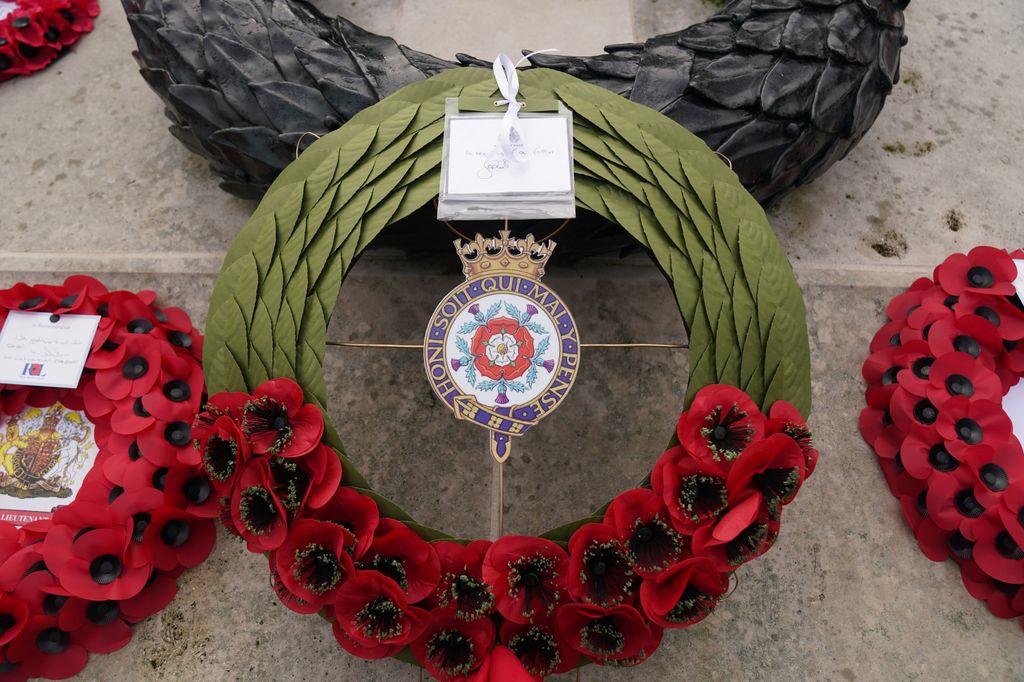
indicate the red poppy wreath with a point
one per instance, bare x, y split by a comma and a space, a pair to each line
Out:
73, 583
33, 33
937, 376
601, 589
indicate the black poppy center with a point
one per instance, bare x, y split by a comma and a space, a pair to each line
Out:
135, 367
691, 605
177, 391
994, 477
958, 384
726, 432
178, 434
7, 622
175, 533
20, 22
925, 412
981, 277
921, 503
967, 504
53, 603
133, 451
105, 569
472, 598
52, 641
940, 459
115, 493
452, 652
748, 543
197, 489
139, 523
179, 339
35, 300
779, 483
102, 612
961, 546
987, 313
1008, 547
969, 431
967, 344
159, 478
702, 496
890, 376
531, 579
266, 415
922, 367
140, 326
138, 409
654, 545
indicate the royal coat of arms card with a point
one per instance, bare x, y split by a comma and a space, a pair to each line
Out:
45, 454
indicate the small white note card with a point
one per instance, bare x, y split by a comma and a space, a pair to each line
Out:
39, 349
1019, 282
478, 165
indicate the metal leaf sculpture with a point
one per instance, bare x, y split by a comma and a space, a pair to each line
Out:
783, 88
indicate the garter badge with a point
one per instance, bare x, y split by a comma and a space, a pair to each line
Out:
502, 349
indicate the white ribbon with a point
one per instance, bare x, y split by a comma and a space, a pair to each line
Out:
507, 76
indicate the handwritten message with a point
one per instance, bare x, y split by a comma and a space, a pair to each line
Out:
477, 164
39, 349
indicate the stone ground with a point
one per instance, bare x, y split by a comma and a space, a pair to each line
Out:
91, 181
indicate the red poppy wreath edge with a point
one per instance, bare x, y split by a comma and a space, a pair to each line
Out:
952, 348
75, 583
33, 33
521, 607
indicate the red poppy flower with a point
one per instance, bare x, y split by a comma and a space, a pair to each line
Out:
24, 297
528, 576
908, 410
133, 373
313, 564
45, 650
96, 625
642, 522
883, 366
277, 421
461, 587
230, 404
786, 419
98, 568
877, 426
600, 571
356, 513
683, 595
996, 551
13, 617
970, 334
187, 487
224, 451
154, 597
746, 531
888, 335
721, 422
257, 514
180, 384
998, 311
965, 423
984, 270
936, 543
950, 501
924, 454
603, 635
451, 648
922, 321
501, 666
372, 617
959, 374
1002, 599
323, 469
176, 538
996, 469
537, 648
902, 305
403, 556
502, 349
915, 359
774, 466
694, 490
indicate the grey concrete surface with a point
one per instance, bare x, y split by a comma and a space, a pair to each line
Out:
91, 181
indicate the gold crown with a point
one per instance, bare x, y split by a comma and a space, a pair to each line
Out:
504, 255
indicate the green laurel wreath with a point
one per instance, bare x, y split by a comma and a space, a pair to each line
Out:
281, 277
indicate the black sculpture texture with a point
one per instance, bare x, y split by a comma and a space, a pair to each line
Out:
782, 88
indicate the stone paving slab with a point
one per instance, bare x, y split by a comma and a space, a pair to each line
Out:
91, 181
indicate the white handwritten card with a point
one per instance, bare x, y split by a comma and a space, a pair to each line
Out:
1019, 282
39, 349
478, 165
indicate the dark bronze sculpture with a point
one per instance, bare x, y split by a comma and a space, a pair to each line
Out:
783, 88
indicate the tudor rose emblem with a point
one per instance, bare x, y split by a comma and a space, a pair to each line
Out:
502, 349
